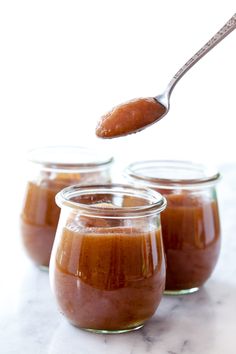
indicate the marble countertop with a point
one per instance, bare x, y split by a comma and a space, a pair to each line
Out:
204, 322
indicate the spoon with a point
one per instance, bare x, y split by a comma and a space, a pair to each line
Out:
135, 115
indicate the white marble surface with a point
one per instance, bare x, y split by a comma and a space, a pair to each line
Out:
204, 322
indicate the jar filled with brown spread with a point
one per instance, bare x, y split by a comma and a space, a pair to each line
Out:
107, 269
50, 170
190, 223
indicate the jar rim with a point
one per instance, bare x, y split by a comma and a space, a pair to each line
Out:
69, 157
155, 202
182, 174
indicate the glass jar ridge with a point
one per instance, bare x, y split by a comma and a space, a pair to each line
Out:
172, 173
148, 202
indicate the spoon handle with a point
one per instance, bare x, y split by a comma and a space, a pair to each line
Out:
218, 37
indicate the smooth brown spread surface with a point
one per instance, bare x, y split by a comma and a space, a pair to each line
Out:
129, 117
108, 278
191, 236
40, 216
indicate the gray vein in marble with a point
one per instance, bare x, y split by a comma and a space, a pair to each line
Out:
148, 340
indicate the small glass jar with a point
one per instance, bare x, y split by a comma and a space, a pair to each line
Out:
190, 223
107, 268
50, 170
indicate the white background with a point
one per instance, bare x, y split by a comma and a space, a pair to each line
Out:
65, 63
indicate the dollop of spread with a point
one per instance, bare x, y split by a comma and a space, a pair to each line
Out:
130, 117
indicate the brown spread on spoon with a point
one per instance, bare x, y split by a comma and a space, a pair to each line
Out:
130, 117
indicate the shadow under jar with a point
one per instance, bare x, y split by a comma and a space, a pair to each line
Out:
50, 170
190, 223
107, 269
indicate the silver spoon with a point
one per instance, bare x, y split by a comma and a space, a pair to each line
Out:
135, 115
164, 98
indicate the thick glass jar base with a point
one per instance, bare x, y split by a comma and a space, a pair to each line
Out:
116, 331
43, 268
181, 292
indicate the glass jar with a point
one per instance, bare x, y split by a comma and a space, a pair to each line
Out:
190, 223
107, 268
50, 170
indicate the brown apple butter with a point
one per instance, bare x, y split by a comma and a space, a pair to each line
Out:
108, 278
40, 216
130, 117
191, 236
